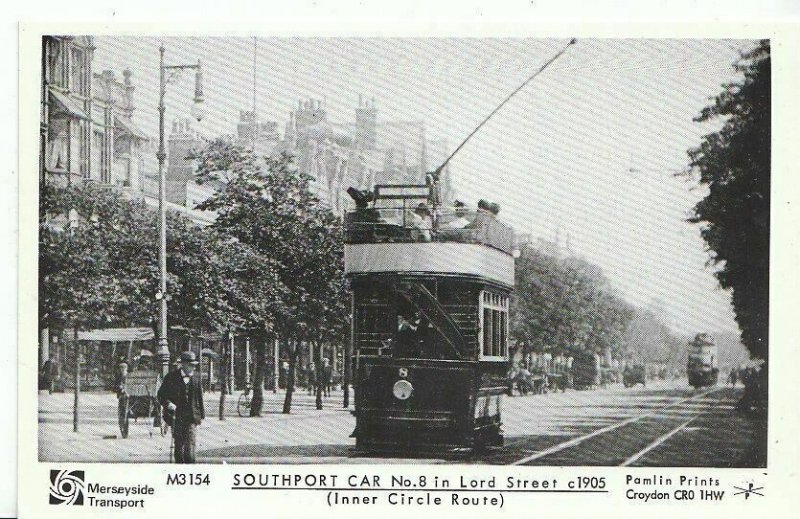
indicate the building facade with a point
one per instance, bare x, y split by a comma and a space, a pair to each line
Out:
360, 153
88, 134
87, 128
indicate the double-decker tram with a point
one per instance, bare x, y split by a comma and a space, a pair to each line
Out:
702, 367
430, 301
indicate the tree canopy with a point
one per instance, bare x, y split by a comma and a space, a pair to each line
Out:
734, 164
267, 204
100, 268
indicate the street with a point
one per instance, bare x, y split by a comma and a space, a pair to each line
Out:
664, 424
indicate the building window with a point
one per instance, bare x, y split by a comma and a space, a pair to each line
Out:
97, 151
494, 325
57, 144
55, 63
78, 72
84, 132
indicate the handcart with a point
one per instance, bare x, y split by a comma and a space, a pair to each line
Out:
137, 399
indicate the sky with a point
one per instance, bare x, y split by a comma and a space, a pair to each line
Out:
588, 150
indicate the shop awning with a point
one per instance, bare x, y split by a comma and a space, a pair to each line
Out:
68, 105
128, 125
117, 334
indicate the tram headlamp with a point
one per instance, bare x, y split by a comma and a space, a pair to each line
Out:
402, 389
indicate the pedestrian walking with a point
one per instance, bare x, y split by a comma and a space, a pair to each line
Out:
49, 375
733, 377
327, 376
120, 376
311, 377
181, 397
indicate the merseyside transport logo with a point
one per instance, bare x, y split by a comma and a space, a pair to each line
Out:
66, 487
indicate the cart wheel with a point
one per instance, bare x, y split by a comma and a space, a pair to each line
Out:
243, 406
123, 412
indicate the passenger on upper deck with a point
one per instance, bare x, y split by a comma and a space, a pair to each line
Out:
459, 220
363, 199
483, 218
422, 223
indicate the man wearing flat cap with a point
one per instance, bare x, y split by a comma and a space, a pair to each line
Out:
181, 396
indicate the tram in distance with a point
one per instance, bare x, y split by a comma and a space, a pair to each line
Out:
430, 301
702, 367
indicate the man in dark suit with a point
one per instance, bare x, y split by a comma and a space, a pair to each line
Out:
181, 395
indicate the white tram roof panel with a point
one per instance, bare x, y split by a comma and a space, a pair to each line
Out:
436, 258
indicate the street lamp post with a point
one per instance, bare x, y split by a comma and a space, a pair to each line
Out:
161, 155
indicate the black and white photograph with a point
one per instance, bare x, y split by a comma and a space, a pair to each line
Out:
275, 250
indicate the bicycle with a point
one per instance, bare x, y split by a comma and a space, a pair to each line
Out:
243, 406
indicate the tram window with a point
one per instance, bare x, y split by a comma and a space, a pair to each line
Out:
487, 332
494, 323
373, 319
503, 327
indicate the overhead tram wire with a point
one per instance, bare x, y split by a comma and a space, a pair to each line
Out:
541, 69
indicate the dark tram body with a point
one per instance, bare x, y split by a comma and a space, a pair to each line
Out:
702, 369
430, 325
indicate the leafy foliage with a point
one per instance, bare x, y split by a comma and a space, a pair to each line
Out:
565, 305
268, 205
734, 163
102, 270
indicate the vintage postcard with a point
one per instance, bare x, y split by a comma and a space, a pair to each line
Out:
464, 273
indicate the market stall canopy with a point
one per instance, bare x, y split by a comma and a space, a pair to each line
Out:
117, 334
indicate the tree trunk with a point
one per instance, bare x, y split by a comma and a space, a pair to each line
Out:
226, 358
75, 405
222, 381
348, 372
320, 374
294, 352
257, 402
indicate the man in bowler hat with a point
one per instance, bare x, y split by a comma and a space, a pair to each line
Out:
181, 396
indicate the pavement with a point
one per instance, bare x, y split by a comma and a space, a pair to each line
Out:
664, 424
99, 438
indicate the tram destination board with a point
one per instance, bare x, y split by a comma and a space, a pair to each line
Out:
464, 273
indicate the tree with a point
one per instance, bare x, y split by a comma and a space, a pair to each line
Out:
99, 268
102, 271
565, 304
268, 205
734, 164
649, 340
81, 283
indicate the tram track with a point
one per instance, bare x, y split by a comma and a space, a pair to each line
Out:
663, 438
638, 419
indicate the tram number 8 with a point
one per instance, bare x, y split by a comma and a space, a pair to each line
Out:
588, 482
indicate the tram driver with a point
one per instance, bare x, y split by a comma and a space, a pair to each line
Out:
405, 343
